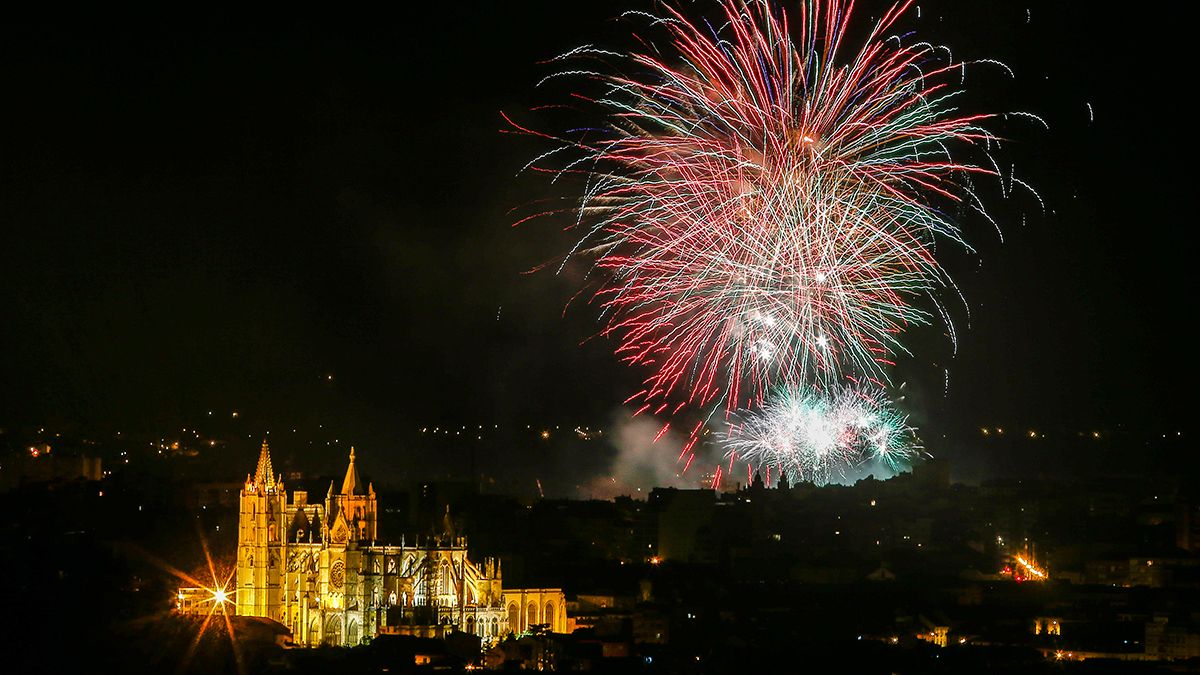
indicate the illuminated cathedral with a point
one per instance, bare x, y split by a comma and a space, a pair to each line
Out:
317, 569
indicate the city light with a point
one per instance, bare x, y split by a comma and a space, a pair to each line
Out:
1031, 570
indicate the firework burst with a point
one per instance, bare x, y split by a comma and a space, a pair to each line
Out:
763, 199
817, 438
766, 207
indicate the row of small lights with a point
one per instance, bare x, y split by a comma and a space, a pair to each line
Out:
234, 414
585, 432
1033, 433
465, 427
582, 430
160, 446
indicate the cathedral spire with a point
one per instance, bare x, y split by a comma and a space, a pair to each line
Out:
264, 475
351, 482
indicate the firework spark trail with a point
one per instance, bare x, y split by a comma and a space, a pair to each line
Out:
817, 438
765, 201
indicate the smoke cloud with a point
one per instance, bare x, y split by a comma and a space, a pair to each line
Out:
640, 463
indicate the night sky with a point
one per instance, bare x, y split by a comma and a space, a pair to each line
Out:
216, 212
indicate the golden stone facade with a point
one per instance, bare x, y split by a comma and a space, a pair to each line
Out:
317, 569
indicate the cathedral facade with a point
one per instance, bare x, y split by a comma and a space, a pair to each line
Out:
317, 569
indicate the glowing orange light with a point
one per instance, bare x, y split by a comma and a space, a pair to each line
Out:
1031, 569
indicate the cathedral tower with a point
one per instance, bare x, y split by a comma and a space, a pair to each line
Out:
351, 512
261, 529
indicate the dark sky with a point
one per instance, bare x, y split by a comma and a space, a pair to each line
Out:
215, 211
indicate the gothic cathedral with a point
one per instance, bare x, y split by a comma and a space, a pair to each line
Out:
317, 569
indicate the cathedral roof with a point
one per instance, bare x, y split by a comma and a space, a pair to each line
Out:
352, 482
301, 527
264, 475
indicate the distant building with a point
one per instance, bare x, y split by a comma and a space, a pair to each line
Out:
317, 569
1187, 525
1171, 640
1049, 625
530, 607
40, 464
195, 601
681, 516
